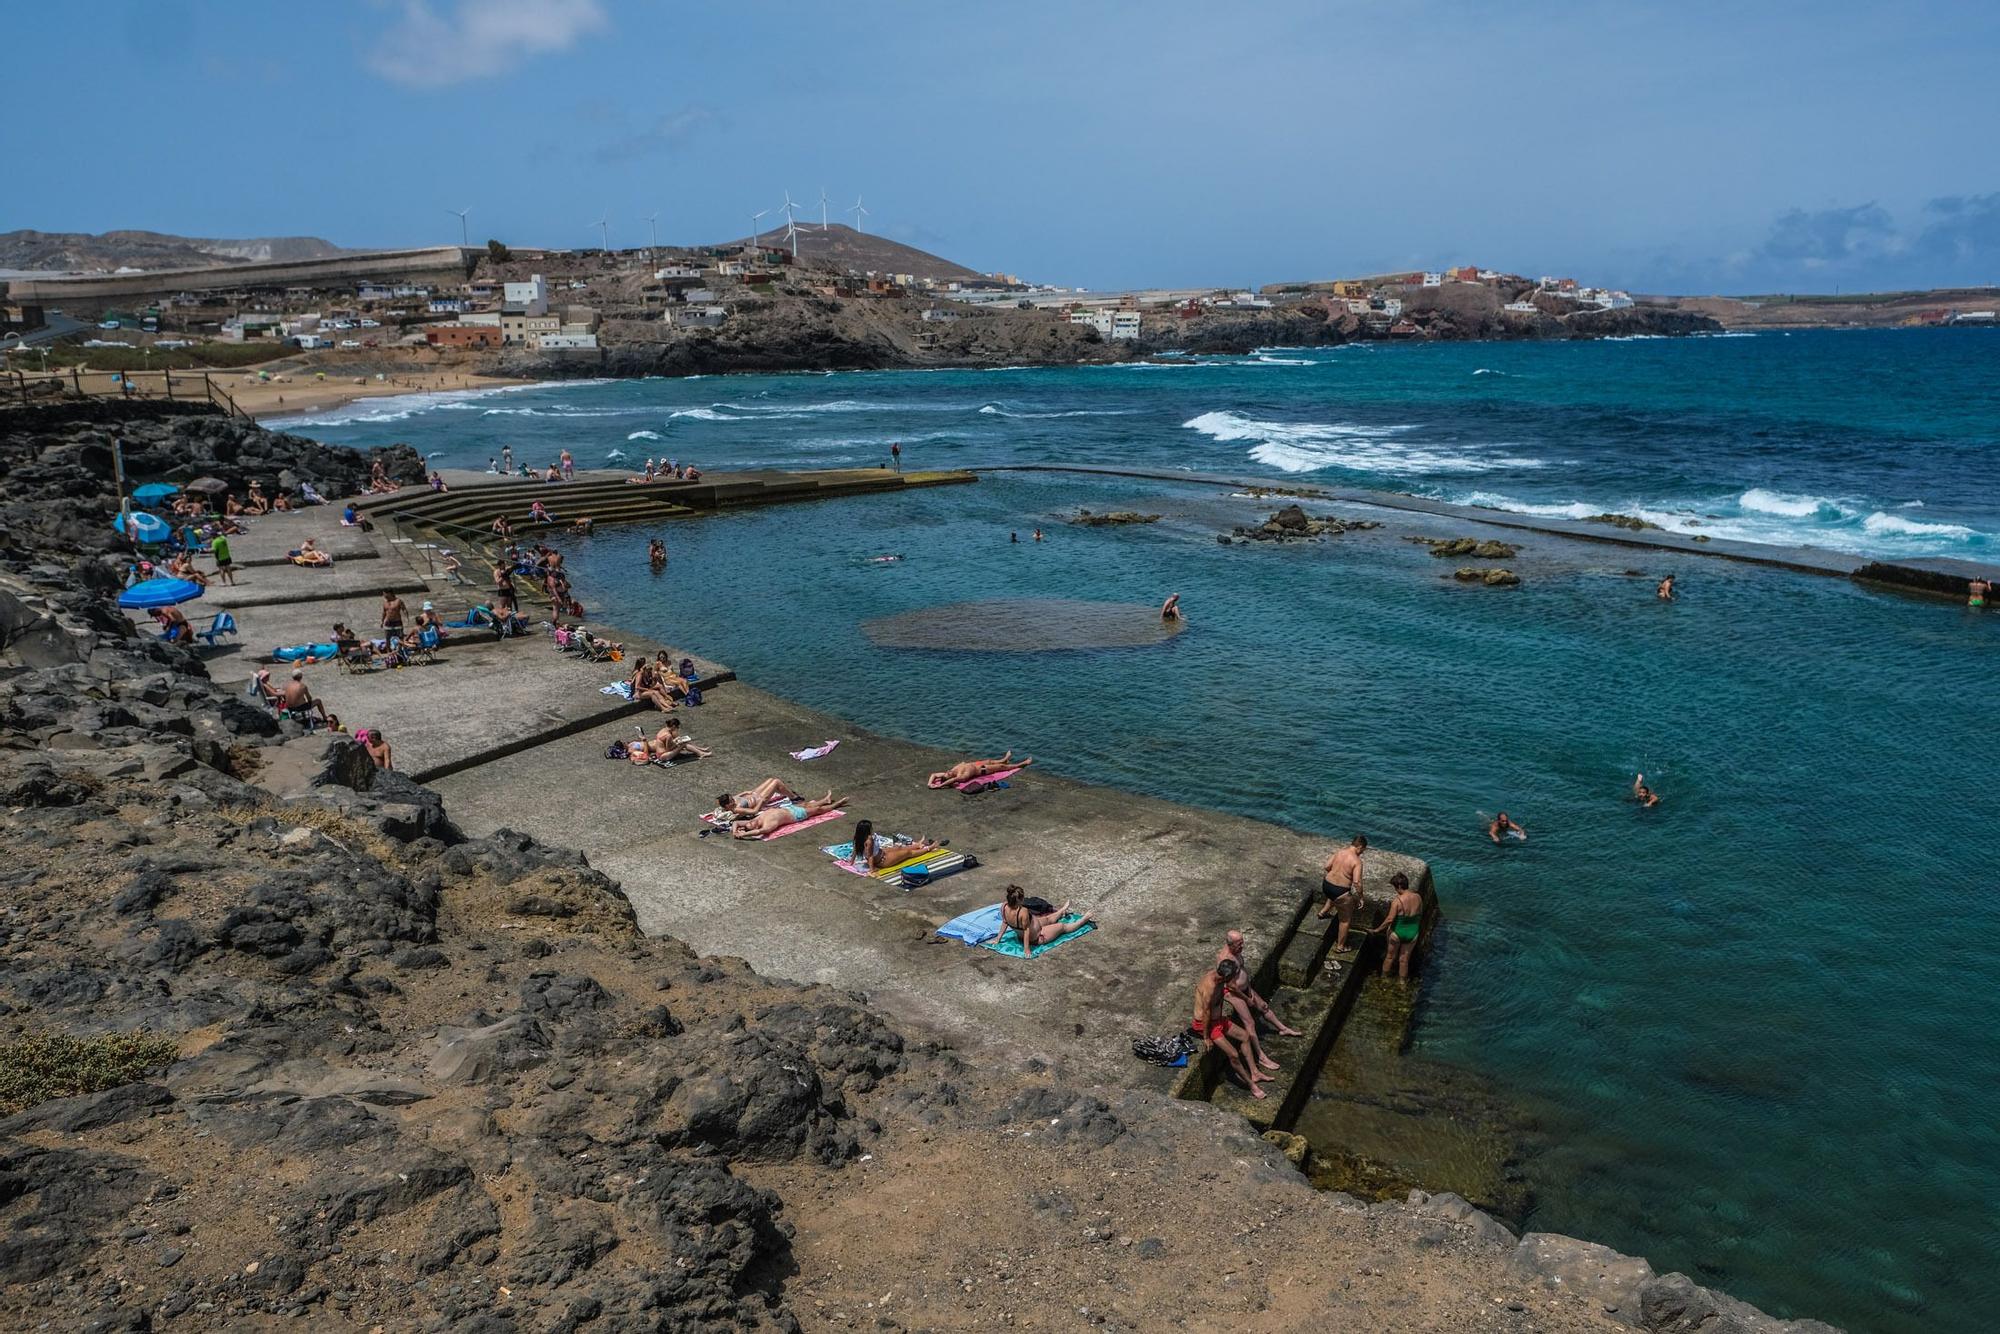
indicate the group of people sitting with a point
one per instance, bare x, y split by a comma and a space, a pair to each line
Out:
378, 479
657, 681
665, 470
669, 745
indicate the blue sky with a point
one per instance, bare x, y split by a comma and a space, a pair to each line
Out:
1688, 146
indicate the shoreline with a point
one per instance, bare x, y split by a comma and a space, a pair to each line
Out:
271, 402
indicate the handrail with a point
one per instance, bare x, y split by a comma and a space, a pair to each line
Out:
79, 383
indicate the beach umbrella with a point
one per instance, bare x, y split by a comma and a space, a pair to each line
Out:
213, 486
144, 527
153, 491
161, 592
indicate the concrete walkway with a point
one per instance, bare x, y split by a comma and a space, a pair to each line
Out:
514, 734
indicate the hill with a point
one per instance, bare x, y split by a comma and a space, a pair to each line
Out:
861, 252
84, 252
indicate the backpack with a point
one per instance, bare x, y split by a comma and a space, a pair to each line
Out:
615, 751
693, 693
1173, 1050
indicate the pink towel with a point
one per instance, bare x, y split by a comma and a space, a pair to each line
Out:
990, 778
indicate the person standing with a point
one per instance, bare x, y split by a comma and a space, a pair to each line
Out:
896, 455
506, 459
219, 548
1402, 927
1976, 593
392, 615
1341, 887
1665, 592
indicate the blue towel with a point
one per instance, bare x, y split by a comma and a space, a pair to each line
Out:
976, 927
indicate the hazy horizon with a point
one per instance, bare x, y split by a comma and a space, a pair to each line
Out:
1687, 148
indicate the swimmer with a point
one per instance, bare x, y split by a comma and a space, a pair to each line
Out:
1665, 592
773, 818
1170, 610
1503, 825
656, 552
1038, 534
1645, 796
1976, 593
970, 769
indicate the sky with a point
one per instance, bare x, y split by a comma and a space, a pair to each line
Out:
1691, 146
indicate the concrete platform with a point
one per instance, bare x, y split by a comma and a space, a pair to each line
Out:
273, 585
271, 536
1165, 881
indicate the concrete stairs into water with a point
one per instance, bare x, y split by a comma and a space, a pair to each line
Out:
618, 498
1314, 989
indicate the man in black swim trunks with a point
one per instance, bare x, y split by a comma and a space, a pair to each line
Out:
392, 615
1341, 887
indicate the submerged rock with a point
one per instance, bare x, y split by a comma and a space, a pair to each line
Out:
1293, 524
1631, 521
1469, 574
1458, 547
1114, 519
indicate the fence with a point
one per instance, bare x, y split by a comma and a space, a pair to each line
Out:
31, 387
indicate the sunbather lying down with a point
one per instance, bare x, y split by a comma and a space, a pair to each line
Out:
971, 769
757, 798
773, 818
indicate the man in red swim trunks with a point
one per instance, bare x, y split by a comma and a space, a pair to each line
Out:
1215, 1019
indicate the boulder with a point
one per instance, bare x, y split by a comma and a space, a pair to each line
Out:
1469, 574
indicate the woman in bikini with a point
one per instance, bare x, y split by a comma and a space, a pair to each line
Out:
876, 852
753, 802
1039, 922
669, 743
773, 818
971, 769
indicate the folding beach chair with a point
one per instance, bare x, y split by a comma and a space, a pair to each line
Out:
223, 624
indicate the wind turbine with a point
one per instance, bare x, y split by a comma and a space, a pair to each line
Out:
464, 236
605, 224
792, 235
755, 218
858, 212
822, 208
788, 208
653, 222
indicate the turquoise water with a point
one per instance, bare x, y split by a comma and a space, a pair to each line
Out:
1754, 1023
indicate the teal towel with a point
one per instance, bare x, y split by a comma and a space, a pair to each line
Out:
1009, 942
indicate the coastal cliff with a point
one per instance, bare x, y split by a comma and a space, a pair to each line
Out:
329, 1057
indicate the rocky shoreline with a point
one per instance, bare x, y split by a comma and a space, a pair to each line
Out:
421, 1080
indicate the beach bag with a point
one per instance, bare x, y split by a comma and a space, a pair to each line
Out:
694, 694
615, 751
1168, 1051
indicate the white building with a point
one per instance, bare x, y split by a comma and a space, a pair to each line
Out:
489, 318
698, 296
446, 305
374, 292
1434, 280
668, 272
1099, 320
732, 268
1522, 307
1392, 306
700, 317
564, 342
402, 290
1124, 324
532, 296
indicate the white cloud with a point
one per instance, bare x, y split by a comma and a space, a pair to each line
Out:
477, 39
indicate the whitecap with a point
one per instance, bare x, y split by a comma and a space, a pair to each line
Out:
643, 435
1312, 446
995, 410
706, 415
1574, 509
1757, 500
1881, 525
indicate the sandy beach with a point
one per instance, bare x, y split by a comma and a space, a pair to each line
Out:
293, 392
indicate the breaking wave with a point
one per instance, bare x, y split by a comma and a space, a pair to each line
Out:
1312, 446
643, 435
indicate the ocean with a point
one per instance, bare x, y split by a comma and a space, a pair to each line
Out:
1744, 1034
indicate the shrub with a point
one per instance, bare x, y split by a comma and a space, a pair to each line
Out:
41, 1066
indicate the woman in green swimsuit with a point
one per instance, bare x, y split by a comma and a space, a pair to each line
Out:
1402, 926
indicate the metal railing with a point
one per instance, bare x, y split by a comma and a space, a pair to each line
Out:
29, 388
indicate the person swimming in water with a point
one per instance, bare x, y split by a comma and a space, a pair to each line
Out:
1170, 610
1976, 593
1665, 592
968, 770
656, 552
1645, 796
1503, 825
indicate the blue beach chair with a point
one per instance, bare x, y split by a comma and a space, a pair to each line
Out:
223, 624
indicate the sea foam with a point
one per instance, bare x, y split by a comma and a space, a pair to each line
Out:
1311, 446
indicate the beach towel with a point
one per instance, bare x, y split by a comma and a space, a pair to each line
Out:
913, 873
844, 854
1009, 943
976, 927
989, 780
814, 752
305, 652
720, 819
622, 689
